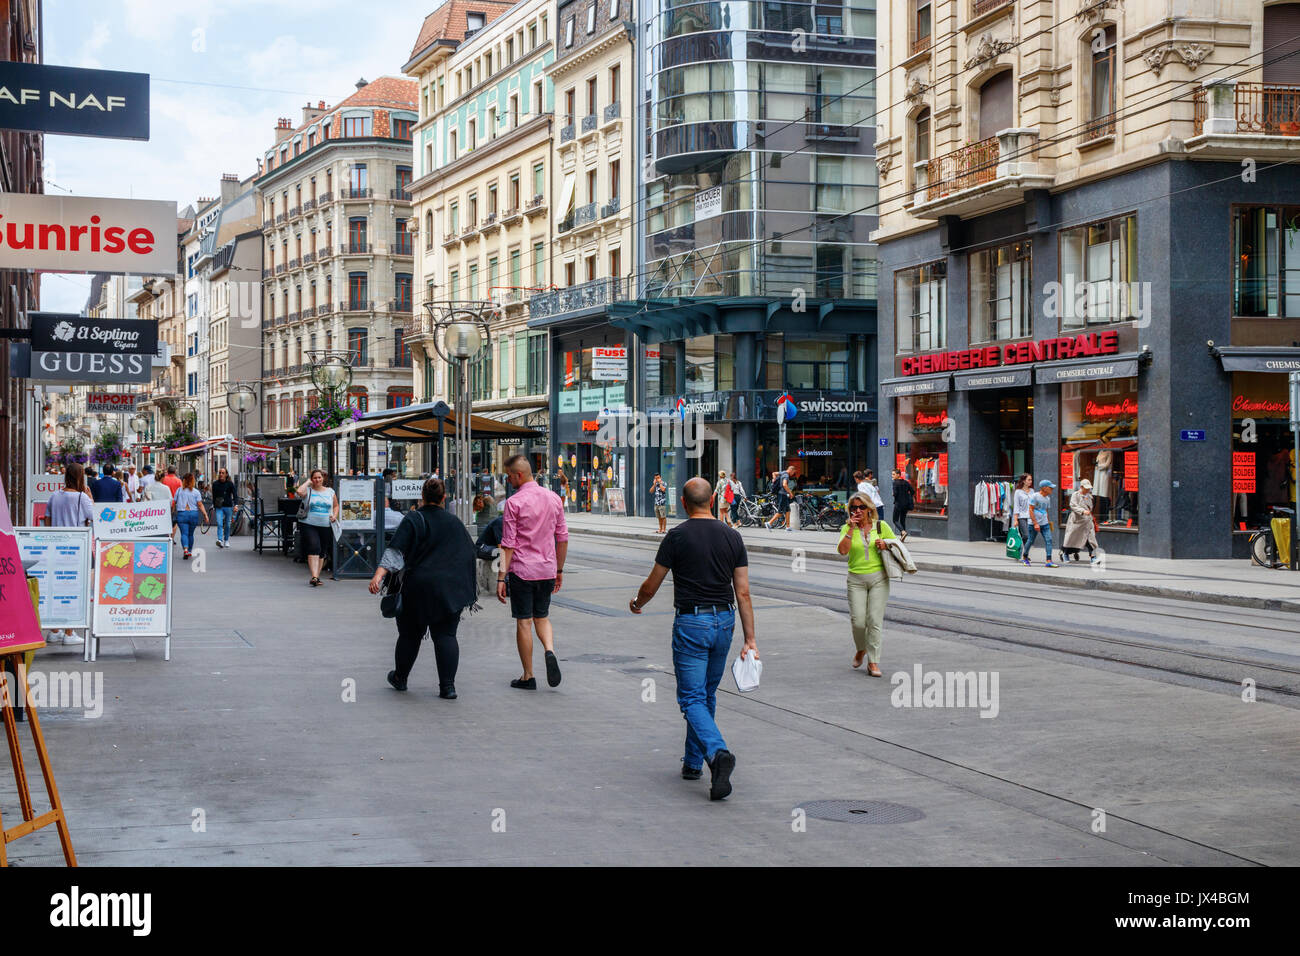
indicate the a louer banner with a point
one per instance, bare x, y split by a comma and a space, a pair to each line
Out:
87, 234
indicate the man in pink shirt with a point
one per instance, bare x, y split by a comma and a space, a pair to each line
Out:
534, 542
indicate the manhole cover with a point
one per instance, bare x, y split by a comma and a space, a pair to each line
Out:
860, 811
603, 659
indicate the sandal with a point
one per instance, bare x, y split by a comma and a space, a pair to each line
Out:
315, 582
874, 670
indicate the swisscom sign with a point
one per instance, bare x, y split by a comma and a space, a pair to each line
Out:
84, 234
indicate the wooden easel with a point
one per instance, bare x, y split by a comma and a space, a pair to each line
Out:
31, 822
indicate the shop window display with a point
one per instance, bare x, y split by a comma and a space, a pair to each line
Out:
921, 453
1263, 449
1099, 441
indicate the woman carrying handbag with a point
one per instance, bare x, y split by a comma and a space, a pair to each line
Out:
431, 581
862, 539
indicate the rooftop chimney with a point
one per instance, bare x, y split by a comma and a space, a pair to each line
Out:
311, 113
361, 83
283, 129
229, 188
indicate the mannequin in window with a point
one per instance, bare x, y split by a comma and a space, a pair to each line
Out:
1101, 482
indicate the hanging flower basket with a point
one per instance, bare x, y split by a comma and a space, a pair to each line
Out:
329, 414
180, 436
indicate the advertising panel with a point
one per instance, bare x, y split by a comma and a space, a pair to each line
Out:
87, 234
62, 567
132, 588
140, 519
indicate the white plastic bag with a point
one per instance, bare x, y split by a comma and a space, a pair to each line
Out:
746, 670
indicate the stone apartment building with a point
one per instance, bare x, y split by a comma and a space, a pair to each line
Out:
482, 198
338, 270
1087, 229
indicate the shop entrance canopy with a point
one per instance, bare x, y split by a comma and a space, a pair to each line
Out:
220, 441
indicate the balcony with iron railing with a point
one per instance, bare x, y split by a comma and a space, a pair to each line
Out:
613, 112
401, 195
578, 298
980, 7
609, 209
511, 216
281, 219
1231, 119
267, 273
404, 362
308, 206
357, 305
308, 258
921, 44
451, 239
400, 305
355, 192
490, 223
980, 177
355, 248
402, 245
469, 232
589, 124
294, 263
325, 198
567, 134
1098, 129
279, 269
536, 206
295, 212
323, 309
326, 251
584, 215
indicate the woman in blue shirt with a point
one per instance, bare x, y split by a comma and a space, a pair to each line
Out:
188, 506
1040, 506
315, 530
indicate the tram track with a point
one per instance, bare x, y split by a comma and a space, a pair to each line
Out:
1117, 647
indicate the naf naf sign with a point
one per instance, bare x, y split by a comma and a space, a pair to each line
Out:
76, 102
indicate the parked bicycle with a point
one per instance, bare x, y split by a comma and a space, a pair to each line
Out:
1263, 546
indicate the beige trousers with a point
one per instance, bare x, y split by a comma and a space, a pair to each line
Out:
868, 595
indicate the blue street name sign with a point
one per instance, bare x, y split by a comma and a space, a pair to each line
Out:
1192, 434
884, 442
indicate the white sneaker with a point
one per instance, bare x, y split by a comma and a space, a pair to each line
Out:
74, 639
54, 637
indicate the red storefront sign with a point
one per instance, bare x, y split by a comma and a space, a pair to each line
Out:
1093, 409
1067, 470
591, 426
900, 462
1245, 405
943, 470
1243, 472
938, 418
1016, 353
1130, 471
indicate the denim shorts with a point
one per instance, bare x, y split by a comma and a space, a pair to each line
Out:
529, 599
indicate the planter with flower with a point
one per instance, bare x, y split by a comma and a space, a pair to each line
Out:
329, 414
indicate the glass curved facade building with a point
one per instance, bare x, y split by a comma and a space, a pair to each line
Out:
761, 177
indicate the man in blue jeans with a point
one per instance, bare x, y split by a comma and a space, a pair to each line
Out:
709, 563
1039, 517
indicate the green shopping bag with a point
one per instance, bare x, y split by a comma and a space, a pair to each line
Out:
1014, 543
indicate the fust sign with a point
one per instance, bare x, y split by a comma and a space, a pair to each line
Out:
66, 332
87, 234
62, 99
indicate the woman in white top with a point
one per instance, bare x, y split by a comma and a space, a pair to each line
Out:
188, 506
1020, 510
70, 508
315, 530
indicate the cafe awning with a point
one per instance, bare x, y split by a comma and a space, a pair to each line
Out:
414, 423
220, 441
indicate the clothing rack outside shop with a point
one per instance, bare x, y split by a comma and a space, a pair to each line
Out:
993, 517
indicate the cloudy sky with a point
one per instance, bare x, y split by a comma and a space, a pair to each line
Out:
221, 72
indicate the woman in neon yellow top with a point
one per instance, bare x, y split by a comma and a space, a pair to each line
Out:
862, 539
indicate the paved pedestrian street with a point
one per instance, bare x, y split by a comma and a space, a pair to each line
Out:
271, 736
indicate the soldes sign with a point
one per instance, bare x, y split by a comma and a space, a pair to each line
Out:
85, 234
66, 332
77, 102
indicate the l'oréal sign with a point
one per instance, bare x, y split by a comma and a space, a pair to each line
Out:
86, 234
76, 102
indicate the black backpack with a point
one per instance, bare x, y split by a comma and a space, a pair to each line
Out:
776, 485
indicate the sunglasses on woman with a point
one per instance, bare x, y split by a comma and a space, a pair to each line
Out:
857, 508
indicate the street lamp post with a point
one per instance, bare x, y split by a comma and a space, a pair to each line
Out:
139, 424
331, 372
460, 332
243, 400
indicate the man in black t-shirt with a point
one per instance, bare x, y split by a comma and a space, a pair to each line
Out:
708, 562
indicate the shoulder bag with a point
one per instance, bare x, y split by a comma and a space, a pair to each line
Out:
390, 605
302, 508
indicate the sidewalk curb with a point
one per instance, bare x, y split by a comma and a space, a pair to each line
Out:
1083, 584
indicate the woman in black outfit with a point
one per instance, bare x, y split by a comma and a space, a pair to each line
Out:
904, 501
225, 499
438, 585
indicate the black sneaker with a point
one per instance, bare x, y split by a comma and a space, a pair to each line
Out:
692, 773
724, 762
394, 682
519, 682
448, 692
552, 669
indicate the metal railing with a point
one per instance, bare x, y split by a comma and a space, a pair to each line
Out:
588, 295
1272, 109
1097, 127
535, 204
612, 112
510, 214
921, 43
325, 197
609, 209
399, 305
962, 168
981, 7
567, 134
402, 194
357, 305
308, 258
308, 206
584, 215
349, 192
279, 269
280, 219
295, 212
354, 249
402, 244
589, 124
323, 309
399, 362
294, 263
